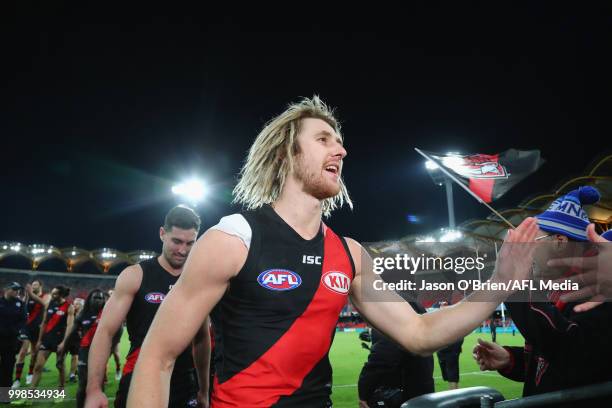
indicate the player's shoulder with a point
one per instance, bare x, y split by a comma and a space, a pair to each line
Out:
354, 246
358, 253
231, 228
129, 279
223, 248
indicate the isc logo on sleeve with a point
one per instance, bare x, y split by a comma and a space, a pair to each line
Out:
279, 279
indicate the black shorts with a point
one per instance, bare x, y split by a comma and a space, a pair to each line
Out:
183, 390
32, 331
73, 345
449, 365
73, 349
50, 341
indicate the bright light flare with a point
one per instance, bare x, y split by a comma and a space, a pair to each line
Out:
192, 190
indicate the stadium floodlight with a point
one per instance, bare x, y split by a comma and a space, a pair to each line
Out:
192, 190
430, 165
452, 160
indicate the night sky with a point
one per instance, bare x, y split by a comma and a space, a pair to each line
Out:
106, 109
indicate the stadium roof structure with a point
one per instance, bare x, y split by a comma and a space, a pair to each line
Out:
477, 232
103, 258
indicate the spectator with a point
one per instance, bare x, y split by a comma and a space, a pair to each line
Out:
12, 320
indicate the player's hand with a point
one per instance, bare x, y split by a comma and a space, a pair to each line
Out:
490, 356
60, 348
515, 258
363, 404
96, 399
28, 288
595, 279
203, 400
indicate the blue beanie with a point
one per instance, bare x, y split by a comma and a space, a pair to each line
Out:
566, 216
607, 235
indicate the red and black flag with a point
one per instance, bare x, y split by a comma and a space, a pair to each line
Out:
489, 176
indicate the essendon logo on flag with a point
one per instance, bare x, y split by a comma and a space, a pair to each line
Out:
489, 176
482, 166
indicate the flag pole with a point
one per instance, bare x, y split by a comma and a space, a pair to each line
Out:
452, 177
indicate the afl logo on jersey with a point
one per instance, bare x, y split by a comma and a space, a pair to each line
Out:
337, 282
279, 279
154, 297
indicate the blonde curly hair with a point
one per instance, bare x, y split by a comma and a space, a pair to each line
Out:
272, 157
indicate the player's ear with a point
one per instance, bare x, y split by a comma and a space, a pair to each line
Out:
162, 233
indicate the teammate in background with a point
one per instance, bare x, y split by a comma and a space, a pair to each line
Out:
277, 278
84, 329
57, 322
36, 300
139, 291
72, 342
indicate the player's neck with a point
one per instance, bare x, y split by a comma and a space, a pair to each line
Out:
167, 267
299, 210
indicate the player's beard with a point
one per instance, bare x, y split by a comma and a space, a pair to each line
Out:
174, 263
315, 182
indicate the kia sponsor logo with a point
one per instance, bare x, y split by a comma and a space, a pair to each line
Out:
337, 282
154, 297
279, 279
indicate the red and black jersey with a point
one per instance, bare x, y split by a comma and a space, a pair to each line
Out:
86, 326
275, 324
155, 285
57, 317
35, 312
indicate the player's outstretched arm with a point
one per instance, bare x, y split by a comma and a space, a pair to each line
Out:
113, 315
212, 262
424, 334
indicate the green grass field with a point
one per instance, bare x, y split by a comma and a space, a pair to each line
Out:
347, 357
